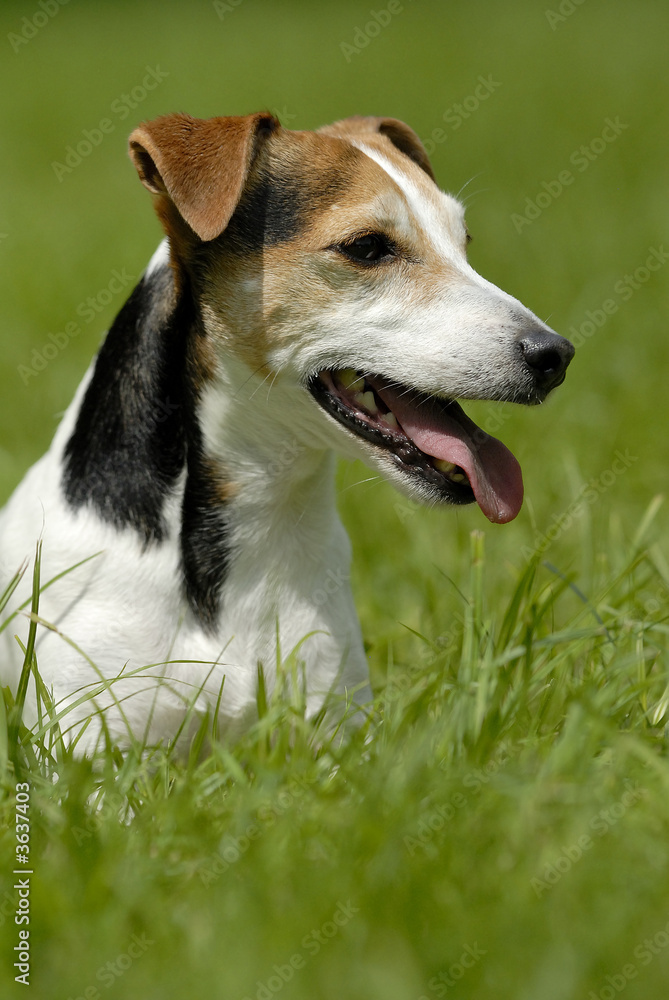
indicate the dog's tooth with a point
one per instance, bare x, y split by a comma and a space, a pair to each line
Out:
349, 379
458, 477
390, 419
369, 402
443, 466
366, 401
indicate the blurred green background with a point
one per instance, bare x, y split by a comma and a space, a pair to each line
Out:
556, 72
555, 77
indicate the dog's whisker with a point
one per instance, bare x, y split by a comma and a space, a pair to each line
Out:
271, 385
467, 183
248, 379
361, 482
472, 195
260, 384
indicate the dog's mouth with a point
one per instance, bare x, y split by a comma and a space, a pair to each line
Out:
429, 438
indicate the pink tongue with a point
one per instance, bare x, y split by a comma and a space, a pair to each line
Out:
493, 472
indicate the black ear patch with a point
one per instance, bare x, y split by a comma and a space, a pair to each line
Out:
408, 143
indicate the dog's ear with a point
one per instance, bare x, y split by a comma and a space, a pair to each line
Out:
198, 165
400, 134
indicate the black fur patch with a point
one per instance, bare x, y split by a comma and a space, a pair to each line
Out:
277, 209
137, 429
205, 551
128, 446
269, 213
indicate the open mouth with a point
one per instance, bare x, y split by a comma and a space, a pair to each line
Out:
429, 438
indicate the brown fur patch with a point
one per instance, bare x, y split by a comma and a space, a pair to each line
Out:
223, 487
199, 165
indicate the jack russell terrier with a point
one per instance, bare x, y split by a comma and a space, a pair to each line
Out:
312, 297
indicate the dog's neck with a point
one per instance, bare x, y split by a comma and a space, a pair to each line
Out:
218, 466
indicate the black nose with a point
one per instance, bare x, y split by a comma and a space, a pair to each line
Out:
548, 355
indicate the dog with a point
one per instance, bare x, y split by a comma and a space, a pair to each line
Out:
312, 296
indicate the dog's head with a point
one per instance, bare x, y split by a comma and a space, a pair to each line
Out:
331, 264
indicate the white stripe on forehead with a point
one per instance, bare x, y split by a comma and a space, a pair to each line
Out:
441, 218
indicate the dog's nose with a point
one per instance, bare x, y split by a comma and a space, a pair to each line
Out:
548, 355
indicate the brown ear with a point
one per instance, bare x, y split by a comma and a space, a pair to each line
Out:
401, 136
199, 165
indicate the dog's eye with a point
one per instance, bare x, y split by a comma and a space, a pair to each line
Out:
367, 249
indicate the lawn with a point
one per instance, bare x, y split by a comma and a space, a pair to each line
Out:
501, 827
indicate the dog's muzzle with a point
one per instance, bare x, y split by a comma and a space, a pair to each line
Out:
431, 439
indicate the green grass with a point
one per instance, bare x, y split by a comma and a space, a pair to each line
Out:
508, 801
